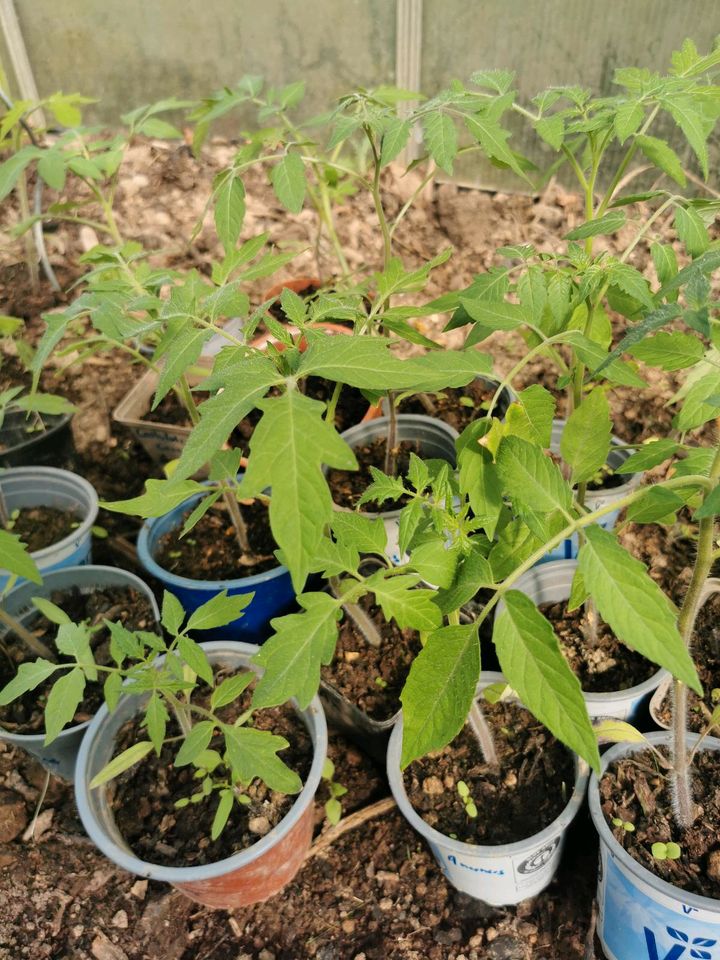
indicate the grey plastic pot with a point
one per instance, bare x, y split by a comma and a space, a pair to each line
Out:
640, 916
499, 875
59, 756
436, 440
550, 582
507, 396
594, 499
712, 586
24, 487
254, 874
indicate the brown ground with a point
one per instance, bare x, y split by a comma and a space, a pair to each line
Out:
375, 893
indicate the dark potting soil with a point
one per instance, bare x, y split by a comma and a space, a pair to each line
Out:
351, 406
170, 411
529, 788
210, 551
348, 486
609, 666
144, 798
123, 605
636, 790
455, 406
357, 665
705, 651
41, 527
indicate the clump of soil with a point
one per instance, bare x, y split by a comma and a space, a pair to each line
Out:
705, 651
123, 605
40, 527
528, 789
358, 666
456, 406
636, 789
348, 486
605, 668
210, 551
144, 798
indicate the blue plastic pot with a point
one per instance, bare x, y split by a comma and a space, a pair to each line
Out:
641, 916
273, 590
24, 487
596, 499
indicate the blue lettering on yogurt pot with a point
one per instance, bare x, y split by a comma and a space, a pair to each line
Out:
494, 873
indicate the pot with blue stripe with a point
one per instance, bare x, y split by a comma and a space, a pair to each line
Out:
272, 590
594, 499
27, 487
640, 915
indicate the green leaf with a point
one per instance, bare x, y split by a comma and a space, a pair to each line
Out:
628, 117
472, 572
229, 210
532, 480
534, 666
230, 689
122, 762
185, 348
663, 156
435, 561
439, 690
657, 505
552, 130
253, 753
514, 544
533, 294
288, 180
196, 658
222, 814
665, 261
11, 168
283, 459
697, 407
495, 314
649, 456
156, 718
51, 167
293, 655
16, 558
710, 506
691, 230
219, 611
195, 742
28, 676
693, 124
633, 605
492, 138
585, 441
394, 138
172, 614
441, 139
669, 351
531, 415
617, 731
597, 359
402, 600
360, 532
51, 610
479, 479
161, 496
62, 702
610, 223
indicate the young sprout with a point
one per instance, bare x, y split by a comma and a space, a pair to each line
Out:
333, 807
666, 851
380, 682
623, 824
466, 402
464, 794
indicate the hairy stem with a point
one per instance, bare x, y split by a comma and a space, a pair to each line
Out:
391, 439
239, 525
34, 646
362, 621
591, 623
479, 726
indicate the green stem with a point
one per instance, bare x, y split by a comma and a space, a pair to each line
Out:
625, 163
332, 403
377, 201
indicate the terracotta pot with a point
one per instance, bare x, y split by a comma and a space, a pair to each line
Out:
297, 286
250, 876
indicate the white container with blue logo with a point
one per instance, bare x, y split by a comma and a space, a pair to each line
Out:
499, 875
594, 499
27, 487
640, 916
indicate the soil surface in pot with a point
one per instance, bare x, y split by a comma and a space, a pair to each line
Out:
636, 790
351, 407
706, 655
528, 789
210, 551
123, 605
606, 668
41, 527
606, 479
144, 798
172, 413
348, 486
372, 677
457, 406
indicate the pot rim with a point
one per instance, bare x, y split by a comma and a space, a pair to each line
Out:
180, 875
153, 567
616, 850
48, 474
459, 847
59, 422
640, 689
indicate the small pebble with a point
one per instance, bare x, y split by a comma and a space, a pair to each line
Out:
120, 920
348, 926
139, 889
713, 865
13, 815
386, 904
259, 826
433, 786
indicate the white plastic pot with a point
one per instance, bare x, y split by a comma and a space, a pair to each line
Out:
641, 916
499, 875
551, 582
251, 876
594, 499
